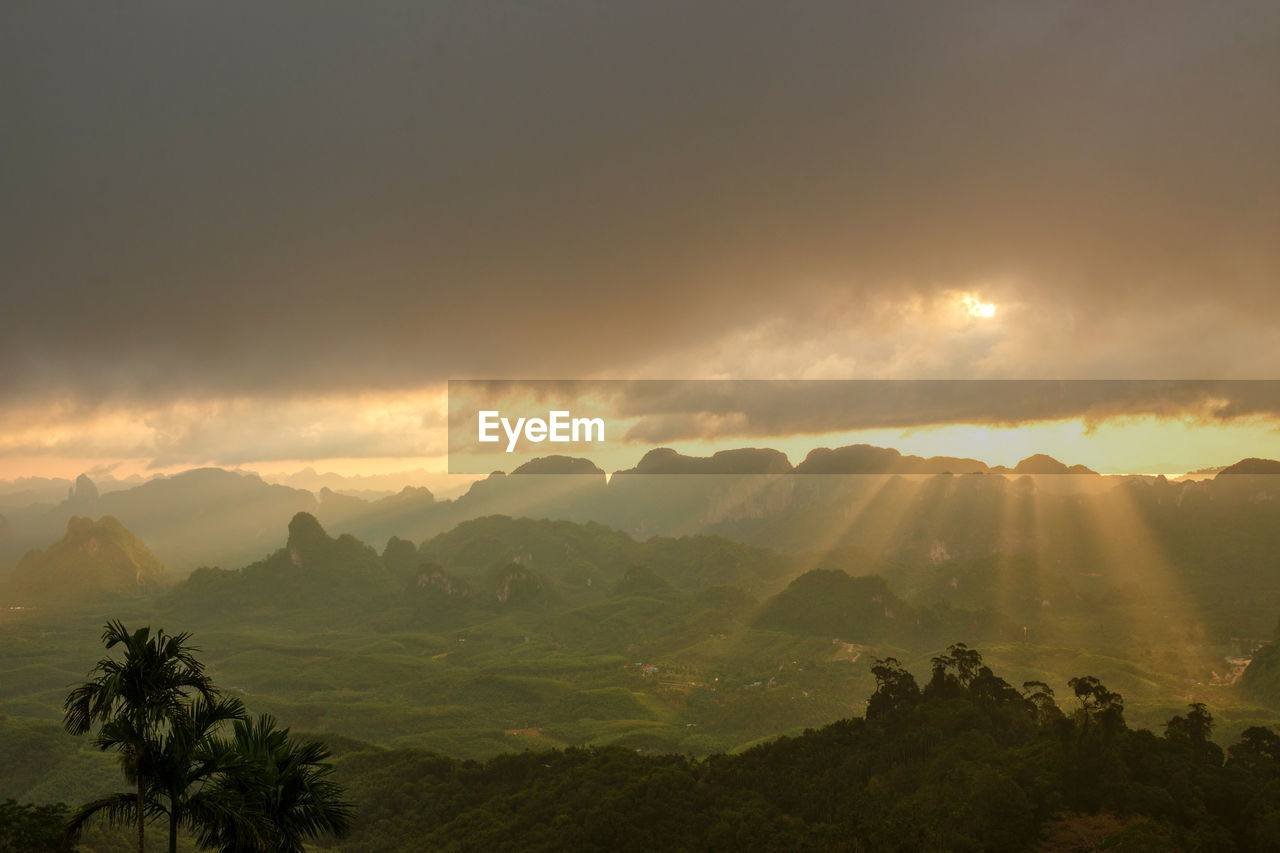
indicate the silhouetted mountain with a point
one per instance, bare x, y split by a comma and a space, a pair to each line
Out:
401, 557
93, 558
668, 493
307, 539
747, 461
867, 459
83, 491
204, 516
492, 563
553, 548
210, 516
578, 554
534, 490
412, 512
1252, 465
903, 511
313, 571
335, 505
1042, 464
570, 465
28, 491
831, 603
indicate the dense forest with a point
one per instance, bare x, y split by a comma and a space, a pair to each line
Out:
966, 762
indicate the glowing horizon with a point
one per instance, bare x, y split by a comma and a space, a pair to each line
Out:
1146, 445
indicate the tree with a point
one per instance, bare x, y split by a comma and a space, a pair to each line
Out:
1098, 703
134, 702
964, 660
188, 764
281, 791
1040, 695
1192, 733
179, 769
26, 827
896, 689
1194, 728
1257, 753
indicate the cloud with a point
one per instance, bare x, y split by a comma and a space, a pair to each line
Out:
663, 411
232, 432
103, 470
217, 204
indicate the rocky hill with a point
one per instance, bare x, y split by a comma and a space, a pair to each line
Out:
94, 557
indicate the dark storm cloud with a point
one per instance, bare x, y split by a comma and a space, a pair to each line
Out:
238, 198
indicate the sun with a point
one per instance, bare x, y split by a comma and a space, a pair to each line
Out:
977, 308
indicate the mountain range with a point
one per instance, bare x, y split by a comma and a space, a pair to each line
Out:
908, 508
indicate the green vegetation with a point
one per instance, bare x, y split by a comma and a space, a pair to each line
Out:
571, 641
28, 828
134, 703
272, 792
158, 710
966, 763
94, 557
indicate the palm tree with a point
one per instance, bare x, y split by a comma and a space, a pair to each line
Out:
282, 787
134, 701
183, 772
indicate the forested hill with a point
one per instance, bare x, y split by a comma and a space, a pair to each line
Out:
470, 569
93, 558
968, 762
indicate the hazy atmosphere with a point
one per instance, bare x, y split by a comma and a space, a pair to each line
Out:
265, 234
627, 426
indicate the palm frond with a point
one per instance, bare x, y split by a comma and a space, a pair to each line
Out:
115, 809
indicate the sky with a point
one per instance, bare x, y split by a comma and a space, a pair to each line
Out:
265, 234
